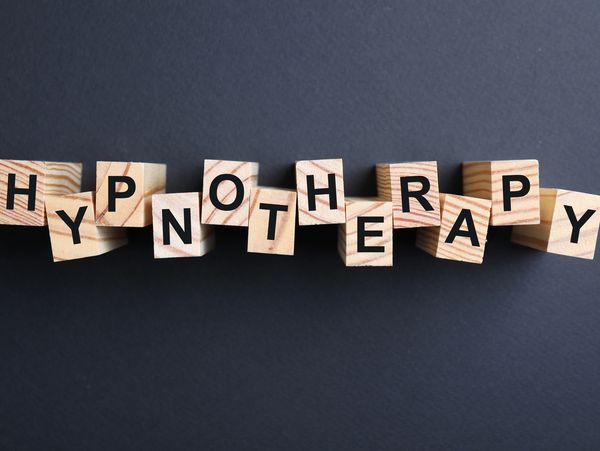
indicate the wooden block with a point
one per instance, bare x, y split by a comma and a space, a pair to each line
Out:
413, 190
73, 230
227, 185
463, 230
320, 187
177, 228
569, 224
366, 239
24, 186
124, 192
513, 186
272, 223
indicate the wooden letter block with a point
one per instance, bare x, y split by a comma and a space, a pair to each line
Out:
413, 190
569, 224
124, 192
366, 239
272, 224
24, 186
73, 230
320, 186
176, 226
463, 230
227, 185
513, 186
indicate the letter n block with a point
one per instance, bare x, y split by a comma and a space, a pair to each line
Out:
272, 224
366, 239
73, 230
513, 186
463, 230
124, 192
24, 186
226, 191
413, 190
569, 224
320, 186
176, 226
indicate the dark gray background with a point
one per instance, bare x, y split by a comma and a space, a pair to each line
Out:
239, 351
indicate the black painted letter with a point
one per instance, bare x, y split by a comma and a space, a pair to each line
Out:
73, 224
185, 232
577, 223
464, 216
239, 196
113, 194
273, 209
507, 194
313, 192
362, 233
419, 194
12, 190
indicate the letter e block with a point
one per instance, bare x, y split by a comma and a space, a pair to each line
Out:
272, 224
176, 226
569, 224
24, 186
320, 186
73, 230
463, 230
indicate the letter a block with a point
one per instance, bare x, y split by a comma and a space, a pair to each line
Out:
124, 192
569, 224
513, 186
226, 193
73, 230
272, 225
366, 239
176, 226
413, 190
320, 186
25, 185
463, 230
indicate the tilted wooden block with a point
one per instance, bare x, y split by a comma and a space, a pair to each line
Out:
24, 186
413, 190
73, 230
176, 226
463, 230
272, 224
569, 224
124, 192
320, 187
366, 239
226, 192
513, 186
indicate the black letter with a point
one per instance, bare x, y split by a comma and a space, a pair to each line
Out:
507, 194
113, 194
361, 234
273, 209
311, 192
466, 216
73, 224
184, 233
239, 197
577, 224
419, 195
12, 190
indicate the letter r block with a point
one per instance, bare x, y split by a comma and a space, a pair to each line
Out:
24, 186
569, 224
124, 192
413, 190
320, 186
366, 239
513, 186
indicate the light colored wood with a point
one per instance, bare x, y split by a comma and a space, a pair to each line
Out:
94, 240
203, 237
323, 213
433, 239
553, 234
348, 233
389, 188
483, 179
285, 222
53, 178
247, 172
136, 210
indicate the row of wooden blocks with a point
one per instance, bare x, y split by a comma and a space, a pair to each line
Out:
455, 227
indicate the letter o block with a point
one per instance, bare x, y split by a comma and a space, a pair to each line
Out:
124, 192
